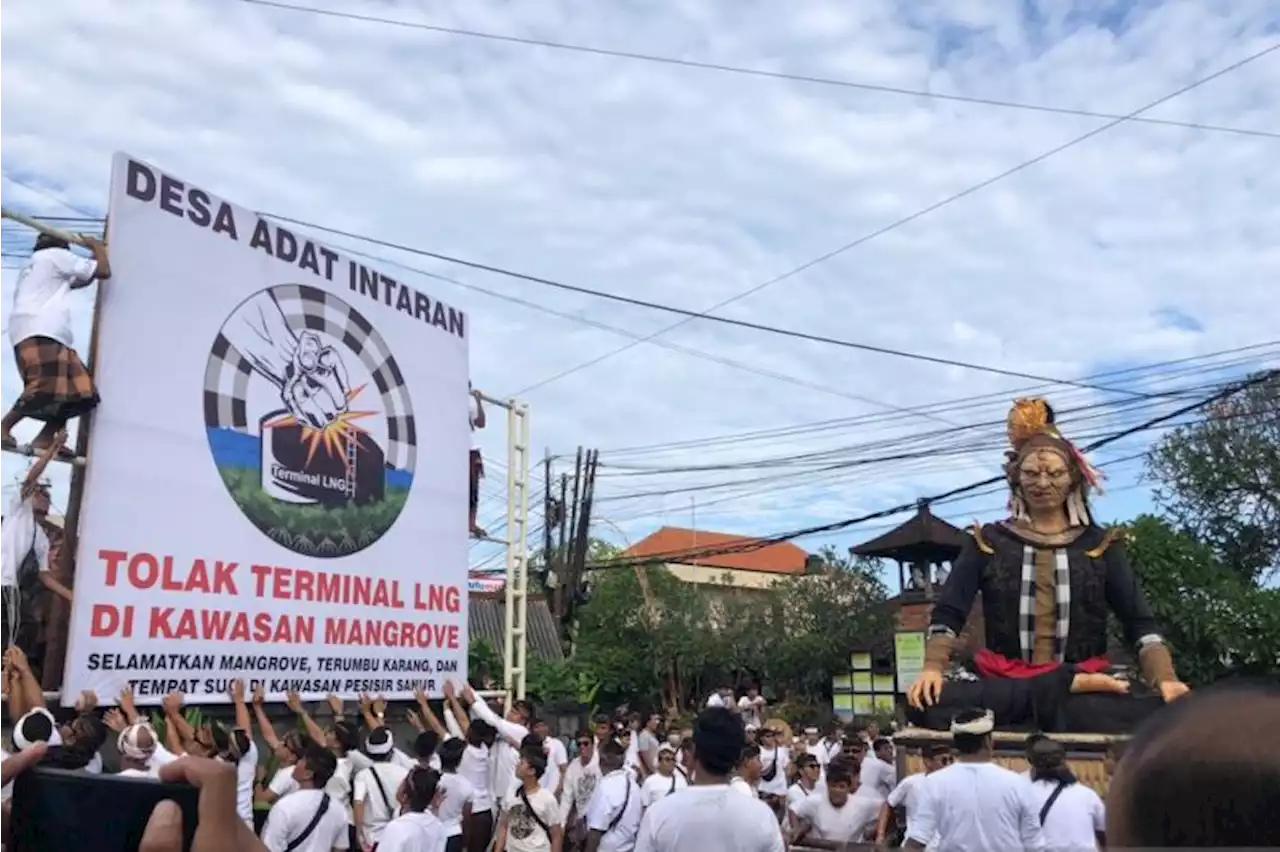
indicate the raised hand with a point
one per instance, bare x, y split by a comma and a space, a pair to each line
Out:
235, 690
259, 695
87, 701
115, 720
293, 701
316, 388
335, 704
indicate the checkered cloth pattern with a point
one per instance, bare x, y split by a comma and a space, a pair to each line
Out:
55, 383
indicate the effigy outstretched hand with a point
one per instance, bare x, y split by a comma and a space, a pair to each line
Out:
315, 391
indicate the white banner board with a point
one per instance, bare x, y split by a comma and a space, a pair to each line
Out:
276, 487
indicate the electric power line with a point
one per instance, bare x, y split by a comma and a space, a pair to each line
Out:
752, 72
759, 543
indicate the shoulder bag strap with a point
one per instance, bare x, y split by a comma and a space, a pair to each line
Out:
311, 826
386, 800
674, 776
1053, 797
524, 797
626, 800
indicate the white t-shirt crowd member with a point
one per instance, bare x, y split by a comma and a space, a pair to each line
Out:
1075, 819
876, 778
244, 782
709, 818
976, 806
615, 810
416, 831
580, 781
290, 816
524, 833
456, 793
846, 824
658, 786
557, 757
751, 708
776, 760
381, 776
505, 754
20, 535
42, 295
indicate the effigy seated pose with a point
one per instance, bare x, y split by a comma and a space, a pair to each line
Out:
1048, 576
56, 386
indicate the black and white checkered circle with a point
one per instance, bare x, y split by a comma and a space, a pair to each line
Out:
226, 378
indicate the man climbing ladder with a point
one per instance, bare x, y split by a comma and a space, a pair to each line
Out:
55, 384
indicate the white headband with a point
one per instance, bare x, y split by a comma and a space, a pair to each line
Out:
982, 725
127, 742
20, 741
380, 748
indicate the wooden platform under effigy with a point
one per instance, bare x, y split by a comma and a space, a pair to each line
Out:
1086, 753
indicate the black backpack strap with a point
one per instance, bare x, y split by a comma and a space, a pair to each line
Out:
626, 800
386, 800
311, 826
524, 797
1053, 797
674, 776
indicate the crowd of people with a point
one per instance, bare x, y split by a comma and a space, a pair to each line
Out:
474, 779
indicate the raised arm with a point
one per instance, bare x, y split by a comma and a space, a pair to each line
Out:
509, 731
32, 479
430, 717
265, 727
294, 700
24, 690
455, 710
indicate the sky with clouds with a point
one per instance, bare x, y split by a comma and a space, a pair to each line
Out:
1147, 243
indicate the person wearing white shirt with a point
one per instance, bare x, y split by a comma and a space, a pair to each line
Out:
807, 774
530, 819
751, 707
774, 759
292, 823
907, 794
747, 778
709, 815
666, 780
557, 758
581, 779
504, 755
374, 801
829, 747
476, 767
456, 794
137, 747
1072, 816
974, 804
417, 829
877, 775
615, 810
835, 815
56, 385
722, 697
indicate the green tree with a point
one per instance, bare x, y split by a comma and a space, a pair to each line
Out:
1217, 623
483, 661
1219, 479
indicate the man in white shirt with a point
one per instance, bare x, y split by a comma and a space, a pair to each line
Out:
456, 793
56, 385
667, 780
137, 747
752, 707
530, 819
807, 774
613, 815
834, 816
292, 823
877, 775
647, 743
374, 801
580, 782
417, 829
504, 756
907, 794
975, 804
557, 758
709, 815
774, 760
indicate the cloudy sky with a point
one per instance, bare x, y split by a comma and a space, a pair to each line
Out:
1148, 243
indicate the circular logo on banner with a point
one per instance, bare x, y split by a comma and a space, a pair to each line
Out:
309, 421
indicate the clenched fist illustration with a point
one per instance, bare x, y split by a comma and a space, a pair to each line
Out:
315, 390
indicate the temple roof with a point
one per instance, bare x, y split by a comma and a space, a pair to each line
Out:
922, 538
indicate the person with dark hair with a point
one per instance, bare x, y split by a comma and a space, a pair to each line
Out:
417, 829
306, 819
975, 804
581, 779
746, 779
774, 759
288, 751
834, 818
603, 727
1111, 760
808, 774
373, 802
615, 809
1027, 745
55, 384
530, 819
557, 757
709, 815
1071, 815
877, 775
906, 795
666, 780
456, 794
1178, 787
511, 731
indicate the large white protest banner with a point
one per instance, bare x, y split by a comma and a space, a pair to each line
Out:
276, 487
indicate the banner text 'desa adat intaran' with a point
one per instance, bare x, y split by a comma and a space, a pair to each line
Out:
276, 487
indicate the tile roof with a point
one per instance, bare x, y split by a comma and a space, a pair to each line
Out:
780, 558
485, 619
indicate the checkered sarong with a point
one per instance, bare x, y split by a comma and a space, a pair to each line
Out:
55, 383
1027, 603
